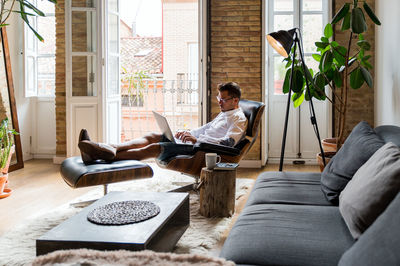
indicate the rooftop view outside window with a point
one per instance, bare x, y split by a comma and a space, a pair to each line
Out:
159, 65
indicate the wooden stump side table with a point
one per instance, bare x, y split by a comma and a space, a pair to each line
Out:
217, 192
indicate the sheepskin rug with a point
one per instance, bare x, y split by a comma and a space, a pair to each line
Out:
18, 246
123, 257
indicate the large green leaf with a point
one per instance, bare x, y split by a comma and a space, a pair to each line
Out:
328, 31
340, 55
367, 76
346, 22
298, 80
324, 40
371, 14
286, 82
298, 99
342, 13
364, 45
319, 81
321, 45
337, 79
358, 24
326, 61
356, 78
317, 57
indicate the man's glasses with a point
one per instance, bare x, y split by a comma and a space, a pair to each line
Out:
223, 100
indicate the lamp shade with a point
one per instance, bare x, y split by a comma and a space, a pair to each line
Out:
282, 41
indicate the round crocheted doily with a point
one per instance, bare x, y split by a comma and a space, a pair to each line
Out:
123, 212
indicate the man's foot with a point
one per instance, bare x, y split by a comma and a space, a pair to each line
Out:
83, 135
92, 151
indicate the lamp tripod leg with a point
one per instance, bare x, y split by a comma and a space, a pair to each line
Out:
287, 112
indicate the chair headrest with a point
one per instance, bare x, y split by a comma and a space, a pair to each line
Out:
253, 111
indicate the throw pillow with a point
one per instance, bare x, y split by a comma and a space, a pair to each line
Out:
371, 190
356, 150
380, 244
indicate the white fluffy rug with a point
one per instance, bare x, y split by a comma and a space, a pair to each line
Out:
18, 246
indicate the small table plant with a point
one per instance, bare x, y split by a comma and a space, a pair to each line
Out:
6, 145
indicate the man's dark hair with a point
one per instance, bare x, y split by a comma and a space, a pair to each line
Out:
232, 88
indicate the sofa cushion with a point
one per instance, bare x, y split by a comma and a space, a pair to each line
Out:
288, 188
278, 234
371, 190
356, 150
380, 244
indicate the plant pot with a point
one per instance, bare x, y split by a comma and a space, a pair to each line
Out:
3, 180
328, 157
329, 144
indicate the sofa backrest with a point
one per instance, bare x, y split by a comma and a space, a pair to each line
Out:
389, 133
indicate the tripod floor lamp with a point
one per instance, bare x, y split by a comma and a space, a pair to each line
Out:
283, 41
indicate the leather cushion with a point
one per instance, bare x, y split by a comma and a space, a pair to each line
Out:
251, 110
76, 174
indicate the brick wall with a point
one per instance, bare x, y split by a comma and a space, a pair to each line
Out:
61, 136
180, 22
361, 101
236, 52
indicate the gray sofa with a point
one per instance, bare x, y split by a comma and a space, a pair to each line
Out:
288, 220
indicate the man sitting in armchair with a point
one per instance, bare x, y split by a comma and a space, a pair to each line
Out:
228, 128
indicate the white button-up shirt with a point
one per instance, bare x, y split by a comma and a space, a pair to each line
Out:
228, 128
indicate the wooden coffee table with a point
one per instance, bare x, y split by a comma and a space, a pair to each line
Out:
159, 233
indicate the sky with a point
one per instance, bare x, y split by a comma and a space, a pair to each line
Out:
148, 20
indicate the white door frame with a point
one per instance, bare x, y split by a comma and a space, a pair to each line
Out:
82, 111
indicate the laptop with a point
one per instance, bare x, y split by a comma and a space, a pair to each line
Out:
165, 128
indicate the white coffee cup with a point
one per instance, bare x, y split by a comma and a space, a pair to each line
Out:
211, 160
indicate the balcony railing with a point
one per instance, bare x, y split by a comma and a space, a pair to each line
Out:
178, 100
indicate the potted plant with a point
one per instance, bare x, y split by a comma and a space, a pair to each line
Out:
24, 8
6, 151
340, 67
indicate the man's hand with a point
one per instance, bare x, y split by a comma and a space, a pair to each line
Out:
185, 136
180, 133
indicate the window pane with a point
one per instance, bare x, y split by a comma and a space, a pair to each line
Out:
45, 6
113, 76
283, 5
113, 33
311, 63
312, 5
84, 3
283, 22
279, 74
31, 83
30, 36
113, 5
312, 31
46, 76
83, 76
47, 28
84, 31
